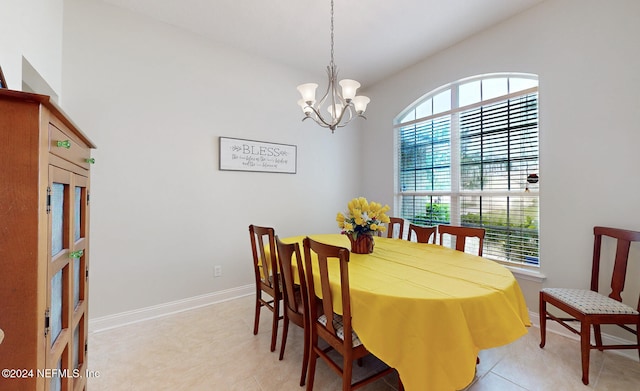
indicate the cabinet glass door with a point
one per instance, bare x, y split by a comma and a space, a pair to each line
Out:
67, 271
80, 273
59, 202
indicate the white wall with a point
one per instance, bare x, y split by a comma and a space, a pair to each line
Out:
587, 56
155, 99
31, 29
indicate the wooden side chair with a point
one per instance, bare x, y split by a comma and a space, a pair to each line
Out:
296, 306
334, 329
393, 221
592, 308
461, 234
422, 234
267, 278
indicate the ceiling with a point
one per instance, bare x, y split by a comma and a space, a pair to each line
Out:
373, 38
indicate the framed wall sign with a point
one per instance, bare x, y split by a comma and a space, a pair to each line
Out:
250, 155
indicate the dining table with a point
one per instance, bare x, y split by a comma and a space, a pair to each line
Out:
427, 310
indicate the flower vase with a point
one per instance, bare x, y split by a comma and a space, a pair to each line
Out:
363, 244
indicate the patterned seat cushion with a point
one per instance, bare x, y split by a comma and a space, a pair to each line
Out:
589, 302
337, 323
280, 286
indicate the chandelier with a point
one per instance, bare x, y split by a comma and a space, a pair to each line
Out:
342, 106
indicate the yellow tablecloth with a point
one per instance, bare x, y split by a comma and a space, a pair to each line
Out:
427, 310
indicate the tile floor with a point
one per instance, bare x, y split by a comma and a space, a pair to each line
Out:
213, 348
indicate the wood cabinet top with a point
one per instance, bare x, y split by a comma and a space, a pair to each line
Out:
46, 101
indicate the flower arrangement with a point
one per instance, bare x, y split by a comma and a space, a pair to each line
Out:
363, 218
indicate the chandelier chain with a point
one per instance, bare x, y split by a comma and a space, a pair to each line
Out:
332, 63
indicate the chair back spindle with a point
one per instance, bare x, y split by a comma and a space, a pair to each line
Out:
393, 221
461, 234
618, 276
422, 234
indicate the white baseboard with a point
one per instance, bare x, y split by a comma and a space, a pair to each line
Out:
124, 318
607, 339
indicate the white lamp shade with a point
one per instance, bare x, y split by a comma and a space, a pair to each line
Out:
338, 110
360, 103
305, 107
308, 91
349, 88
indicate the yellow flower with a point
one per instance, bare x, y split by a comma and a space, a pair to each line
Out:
364, 205
364, 215
353, 204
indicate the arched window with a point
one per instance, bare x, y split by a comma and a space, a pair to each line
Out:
468, 154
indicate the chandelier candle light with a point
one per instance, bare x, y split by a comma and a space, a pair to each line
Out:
338, 103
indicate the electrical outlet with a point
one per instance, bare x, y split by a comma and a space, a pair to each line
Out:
217, 271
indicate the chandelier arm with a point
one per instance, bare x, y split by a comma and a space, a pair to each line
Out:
332, 96
347, 107
334, 83
350, 109
316, 121
326, 94
320, 123
319, 119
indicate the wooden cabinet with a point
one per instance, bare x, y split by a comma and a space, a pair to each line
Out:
44, 245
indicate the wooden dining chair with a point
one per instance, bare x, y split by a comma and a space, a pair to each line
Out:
461, 234
296, 306
267, 278
589, 307
393, 221
422, 234
332, 328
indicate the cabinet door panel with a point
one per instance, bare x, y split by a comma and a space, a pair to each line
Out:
76, 282
56, 381
56, 306
57, 204
77, 213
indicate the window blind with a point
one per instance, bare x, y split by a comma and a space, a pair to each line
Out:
425, 159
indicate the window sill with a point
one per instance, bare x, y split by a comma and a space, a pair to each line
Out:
526, 273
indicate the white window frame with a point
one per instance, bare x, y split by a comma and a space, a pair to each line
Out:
455, 193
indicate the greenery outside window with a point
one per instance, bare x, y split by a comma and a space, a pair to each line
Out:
468, 154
